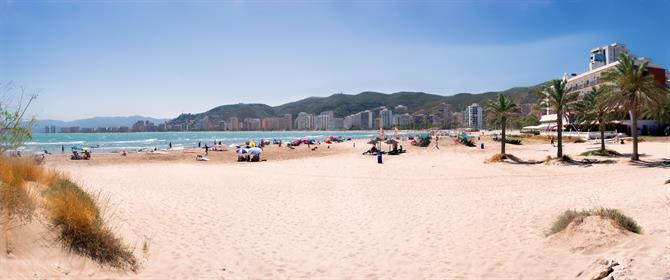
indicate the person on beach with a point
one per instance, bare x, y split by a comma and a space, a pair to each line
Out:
437, 140
552, 141
199, 144
206, 149
170, 144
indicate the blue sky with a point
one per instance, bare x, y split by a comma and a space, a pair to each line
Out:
162, 58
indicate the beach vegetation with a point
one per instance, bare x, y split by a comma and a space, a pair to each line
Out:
555, 97
16, 201
502, 108
600, 153
577, 217
77, 219
73, 212
634, 89
14, 128
497, 158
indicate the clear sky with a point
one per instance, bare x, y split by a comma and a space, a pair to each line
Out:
162, 58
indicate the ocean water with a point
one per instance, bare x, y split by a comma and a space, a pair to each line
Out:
107, 142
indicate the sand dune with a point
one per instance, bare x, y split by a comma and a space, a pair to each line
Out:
437, 214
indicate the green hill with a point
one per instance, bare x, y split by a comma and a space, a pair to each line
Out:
345, 104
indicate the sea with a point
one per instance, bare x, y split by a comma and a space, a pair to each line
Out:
136, 141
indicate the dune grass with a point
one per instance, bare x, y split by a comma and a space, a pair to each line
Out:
74, 213
16, 203
572, 216
76, 216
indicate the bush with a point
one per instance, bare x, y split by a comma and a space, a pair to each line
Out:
512, 141
75, 215
618, 219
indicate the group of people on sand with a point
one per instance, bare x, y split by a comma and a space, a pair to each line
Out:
396, 150
86, 155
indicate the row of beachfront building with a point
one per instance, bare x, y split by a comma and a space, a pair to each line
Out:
443, 116
374, 118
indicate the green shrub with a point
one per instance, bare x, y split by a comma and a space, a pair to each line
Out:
607, 153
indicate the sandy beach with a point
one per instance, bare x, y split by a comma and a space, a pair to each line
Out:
336, 214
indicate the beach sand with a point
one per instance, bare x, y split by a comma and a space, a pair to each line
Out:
426, 214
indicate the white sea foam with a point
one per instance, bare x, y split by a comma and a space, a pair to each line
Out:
54, 143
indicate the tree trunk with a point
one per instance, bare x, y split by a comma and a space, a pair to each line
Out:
502, 143
559, 131
602, 135
633, 132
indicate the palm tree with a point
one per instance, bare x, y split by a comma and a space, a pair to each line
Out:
556, 98
502, 108
661, 113
593, 108
635, 90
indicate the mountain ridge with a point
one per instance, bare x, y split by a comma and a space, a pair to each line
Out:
344, 104
94, 122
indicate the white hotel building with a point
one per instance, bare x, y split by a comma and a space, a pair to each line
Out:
602, 59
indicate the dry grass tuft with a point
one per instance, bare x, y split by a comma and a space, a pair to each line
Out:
74, 213
572, 216
497, 158
16, 203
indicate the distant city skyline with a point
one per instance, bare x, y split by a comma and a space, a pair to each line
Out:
160, 59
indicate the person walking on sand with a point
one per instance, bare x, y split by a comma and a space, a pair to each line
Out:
206, 149
437, 140
552, 141
199, 144
62, 149
170, 144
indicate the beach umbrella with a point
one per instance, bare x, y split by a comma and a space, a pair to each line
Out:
255, 151
372, 142
391, 141
241, 151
